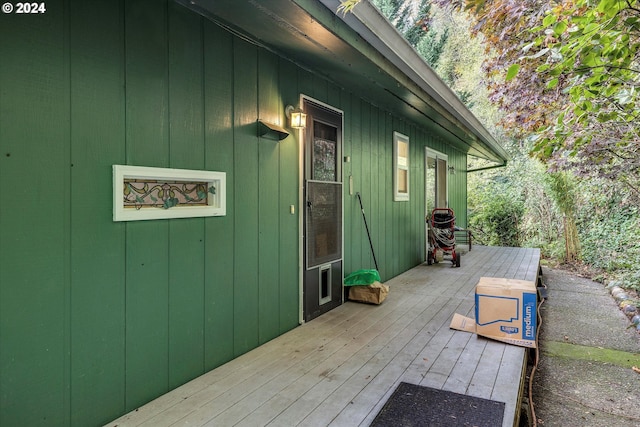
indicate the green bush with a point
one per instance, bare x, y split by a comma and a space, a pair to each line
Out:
609, 230
496, 222
520, 205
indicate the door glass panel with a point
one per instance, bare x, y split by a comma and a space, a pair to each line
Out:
431, 184
441, 184
325, 152
324, 223
436, 176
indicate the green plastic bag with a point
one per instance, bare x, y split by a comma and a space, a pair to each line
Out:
362, 277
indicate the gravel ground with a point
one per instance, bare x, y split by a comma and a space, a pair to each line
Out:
585, 373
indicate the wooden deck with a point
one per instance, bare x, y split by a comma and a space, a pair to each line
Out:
340, 369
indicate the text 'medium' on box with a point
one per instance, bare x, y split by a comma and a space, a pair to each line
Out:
506, 310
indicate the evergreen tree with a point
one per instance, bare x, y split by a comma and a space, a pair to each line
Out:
413, 20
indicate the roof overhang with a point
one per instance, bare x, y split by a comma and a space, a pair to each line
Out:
360, 51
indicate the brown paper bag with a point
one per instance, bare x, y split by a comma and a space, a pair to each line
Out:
374, 293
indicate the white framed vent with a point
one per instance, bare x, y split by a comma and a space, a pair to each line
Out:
147, 193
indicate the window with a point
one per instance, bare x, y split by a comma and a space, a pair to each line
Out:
400, 167
142, 193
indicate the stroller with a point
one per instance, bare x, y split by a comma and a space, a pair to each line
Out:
442, 239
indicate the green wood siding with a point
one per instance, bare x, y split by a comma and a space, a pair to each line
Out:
288, 190
246, 198
219, 232
98, 317
147, 242
186, 242
397, 228
97, 287
268, 203
34, 220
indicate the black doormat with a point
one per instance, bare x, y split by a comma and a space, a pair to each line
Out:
418, 406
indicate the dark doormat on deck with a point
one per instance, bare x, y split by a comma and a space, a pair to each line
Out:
418, 406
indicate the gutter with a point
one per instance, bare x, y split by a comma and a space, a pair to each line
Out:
487, 168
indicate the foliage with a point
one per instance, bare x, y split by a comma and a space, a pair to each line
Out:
460, 65
541, 225
525, 101
410, 20
432, 47
594, 48
571, 74
444, 40
495, 221
524, 184
607, 221
413, 20
569, 93
496, 207
609, 228
563, 191
347, 6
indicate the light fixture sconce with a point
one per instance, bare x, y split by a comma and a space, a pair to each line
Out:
297, 118
452, 170
271, 131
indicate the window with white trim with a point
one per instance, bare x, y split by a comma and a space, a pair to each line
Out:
400, 167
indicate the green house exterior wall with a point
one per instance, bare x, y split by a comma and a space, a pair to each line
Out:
98, 317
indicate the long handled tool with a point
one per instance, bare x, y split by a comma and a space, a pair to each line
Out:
366, 226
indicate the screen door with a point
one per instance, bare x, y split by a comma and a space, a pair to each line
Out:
322, 286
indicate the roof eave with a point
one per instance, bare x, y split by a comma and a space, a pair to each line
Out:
361, 52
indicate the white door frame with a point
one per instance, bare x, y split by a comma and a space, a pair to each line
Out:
430, 152
434, 154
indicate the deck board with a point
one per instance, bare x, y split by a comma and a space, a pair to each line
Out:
340, 369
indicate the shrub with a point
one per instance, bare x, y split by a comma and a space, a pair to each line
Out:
496, 222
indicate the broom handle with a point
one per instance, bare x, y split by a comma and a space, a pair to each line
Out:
366, 226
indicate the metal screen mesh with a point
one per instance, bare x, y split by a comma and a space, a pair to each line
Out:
324, 222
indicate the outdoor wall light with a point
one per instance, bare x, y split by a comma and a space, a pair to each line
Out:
452, 170
271, 131
297, 118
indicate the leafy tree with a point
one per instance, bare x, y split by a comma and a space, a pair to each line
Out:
460, 65
444, 40
512, 205
496, 208
594, 48
542, 222
608, 224
562, 189
432, 47
572, 71
525, 101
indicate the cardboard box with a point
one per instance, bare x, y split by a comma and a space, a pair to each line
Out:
506, 310
374, 293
